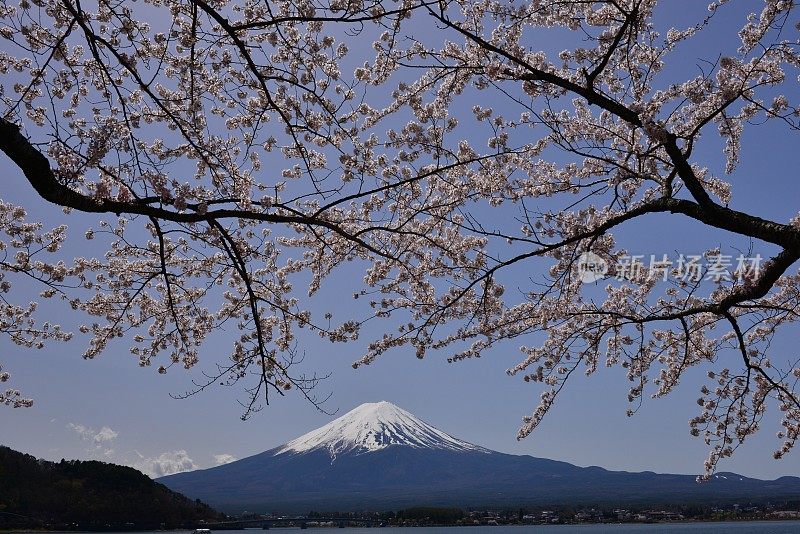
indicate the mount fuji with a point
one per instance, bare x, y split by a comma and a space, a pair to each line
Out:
374, 426
381, 457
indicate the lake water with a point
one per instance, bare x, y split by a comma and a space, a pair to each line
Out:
739, 527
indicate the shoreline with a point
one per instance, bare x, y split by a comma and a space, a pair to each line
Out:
514, 525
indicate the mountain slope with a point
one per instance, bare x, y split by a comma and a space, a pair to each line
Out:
372, 427
37, 493
380, 457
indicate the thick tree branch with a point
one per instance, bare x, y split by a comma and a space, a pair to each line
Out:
37, 170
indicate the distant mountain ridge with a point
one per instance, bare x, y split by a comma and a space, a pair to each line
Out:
381, 457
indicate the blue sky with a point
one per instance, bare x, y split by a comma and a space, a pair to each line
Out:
111, 409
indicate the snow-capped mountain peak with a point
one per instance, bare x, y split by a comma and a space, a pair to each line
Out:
374, 426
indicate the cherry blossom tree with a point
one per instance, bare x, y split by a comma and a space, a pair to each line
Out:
237, 153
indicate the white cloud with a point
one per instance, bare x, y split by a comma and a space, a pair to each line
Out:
101, 442
81, 430
86, 433
167, 463
224, 458
101, 446
105, 434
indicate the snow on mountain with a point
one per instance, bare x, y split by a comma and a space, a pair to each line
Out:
374, 426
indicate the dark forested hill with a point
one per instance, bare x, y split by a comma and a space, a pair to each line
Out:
88, 495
